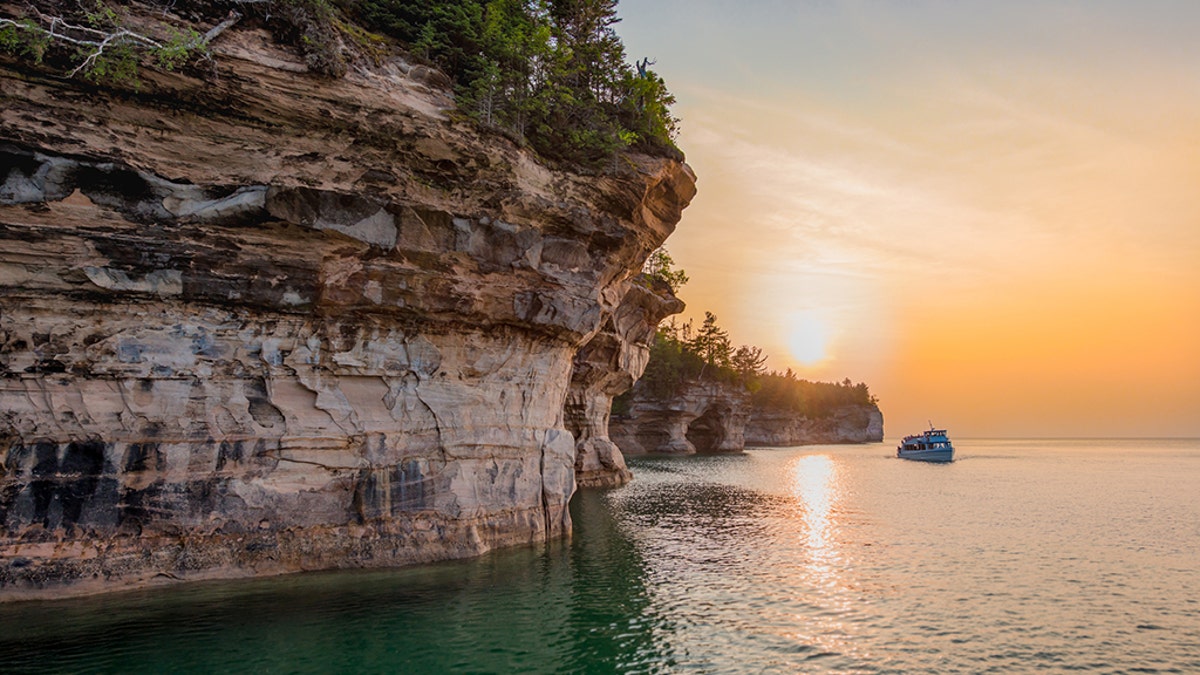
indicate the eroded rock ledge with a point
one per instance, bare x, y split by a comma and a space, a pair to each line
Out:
714, 417
608, 366
847, 424
703, 416
265, 322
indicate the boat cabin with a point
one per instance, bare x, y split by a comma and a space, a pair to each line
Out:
934, 439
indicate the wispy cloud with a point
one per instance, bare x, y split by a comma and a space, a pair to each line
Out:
994, 163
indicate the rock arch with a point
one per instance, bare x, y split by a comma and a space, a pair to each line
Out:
707, 432
704, 417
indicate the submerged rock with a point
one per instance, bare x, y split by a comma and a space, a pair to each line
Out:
267, 322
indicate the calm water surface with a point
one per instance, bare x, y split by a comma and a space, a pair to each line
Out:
1020, 556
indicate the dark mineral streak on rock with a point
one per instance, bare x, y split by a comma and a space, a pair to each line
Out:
269, 322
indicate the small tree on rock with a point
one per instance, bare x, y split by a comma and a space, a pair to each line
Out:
660, 265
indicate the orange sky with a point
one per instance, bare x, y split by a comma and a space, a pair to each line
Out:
989, 212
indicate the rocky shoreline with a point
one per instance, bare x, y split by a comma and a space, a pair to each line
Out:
708, 417
266, 322
847, 424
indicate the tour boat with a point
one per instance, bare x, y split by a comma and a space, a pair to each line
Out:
931, 446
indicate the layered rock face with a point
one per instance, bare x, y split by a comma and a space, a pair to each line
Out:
848, 424
706, 417
607, 366
266, 322
711, 417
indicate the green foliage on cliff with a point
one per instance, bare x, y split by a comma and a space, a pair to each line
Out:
314, 28
551, 73
23, 38
683, 353
672, 362
786, 391
661, 266
91, 40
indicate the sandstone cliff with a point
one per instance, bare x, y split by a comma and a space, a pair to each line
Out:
702, 416
263, 322
713, 417
607, 366
847, 424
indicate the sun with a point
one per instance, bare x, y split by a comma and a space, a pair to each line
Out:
808, 338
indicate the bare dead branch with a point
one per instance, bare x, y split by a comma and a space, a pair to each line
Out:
234, 17
58, 29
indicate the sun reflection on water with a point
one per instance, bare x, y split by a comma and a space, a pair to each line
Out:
817, 491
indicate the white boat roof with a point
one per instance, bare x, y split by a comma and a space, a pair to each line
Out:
927, 434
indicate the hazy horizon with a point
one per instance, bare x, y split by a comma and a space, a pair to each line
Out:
987, 212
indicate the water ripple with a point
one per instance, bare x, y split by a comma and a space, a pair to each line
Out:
1029, 556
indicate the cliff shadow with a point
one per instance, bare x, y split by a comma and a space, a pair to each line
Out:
707, 432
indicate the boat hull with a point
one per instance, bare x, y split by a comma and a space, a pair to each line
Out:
928, 455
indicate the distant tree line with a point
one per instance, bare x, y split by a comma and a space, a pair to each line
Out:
785, 391
684, 353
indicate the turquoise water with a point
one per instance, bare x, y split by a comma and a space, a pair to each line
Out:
1019, 556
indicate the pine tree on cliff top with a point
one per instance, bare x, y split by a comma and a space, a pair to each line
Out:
552, 73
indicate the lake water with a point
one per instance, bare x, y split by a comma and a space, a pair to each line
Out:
1019, 556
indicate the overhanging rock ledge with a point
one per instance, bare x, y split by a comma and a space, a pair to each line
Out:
268, 322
